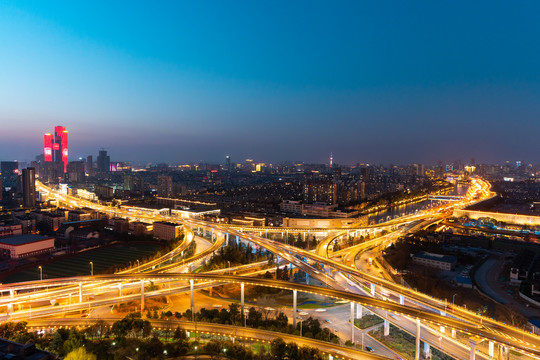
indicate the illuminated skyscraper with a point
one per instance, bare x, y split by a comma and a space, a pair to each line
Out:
56, 146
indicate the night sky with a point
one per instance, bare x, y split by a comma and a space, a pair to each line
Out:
188, 81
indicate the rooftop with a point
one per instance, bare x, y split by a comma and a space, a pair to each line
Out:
23, 239
436, 257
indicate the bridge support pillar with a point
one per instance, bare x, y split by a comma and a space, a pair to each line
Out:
491, 349
359, 311
290, 267
11, 293
473, 342
9, 309
192, 300
443, 329
454, 333
401, 300
242, 302
330, 357
427, 350
352, 322
386, 328
501, 351
307, 279
417, 352
142, 296
372, 289
237, 239
119, 290
294, 299
226, 239
80, 292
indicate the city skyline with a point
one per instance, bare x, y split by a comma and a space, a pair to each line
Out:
374, 83
329, 161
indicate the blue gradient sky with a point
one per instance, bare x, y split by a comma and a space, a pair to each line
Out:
376, 82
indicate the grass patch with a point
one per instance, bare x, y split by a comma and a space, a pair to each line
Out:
397, 340
405, 344
368, 321
103, 258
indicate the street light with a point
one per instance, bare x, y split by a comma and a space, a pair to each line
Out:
229, 267
453, 297
40, 273
91, 268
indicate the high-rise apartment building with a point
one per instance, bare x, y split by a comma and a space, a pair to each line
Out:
55, 148
318, 191
103, 161
165, 186
89, 166
29, 187
76, 171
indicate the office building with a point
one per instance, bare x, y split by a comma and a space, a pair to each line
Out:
167, 230
103, 161
55, 148
29, 187
10, 172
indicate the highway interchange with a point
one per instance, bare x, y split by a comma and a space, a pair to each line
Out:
340, 271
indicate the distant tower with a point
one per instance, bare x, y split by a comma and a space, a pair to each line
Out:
228, 162
103, 161
331, 159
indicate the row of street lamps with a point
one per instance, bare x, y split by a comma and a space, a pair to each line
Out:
91, 270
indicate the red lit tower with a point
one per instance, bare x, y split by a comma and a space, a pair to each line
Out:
56, 147
47, 151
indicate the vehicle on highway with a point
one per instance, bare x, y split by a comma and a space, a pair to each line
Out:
369, 348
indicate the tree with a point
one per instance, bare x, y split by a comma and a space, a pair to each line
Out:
80, 354
179, 334
278, 348
254, 317
234, 310
74, 342
99, 329
266, 305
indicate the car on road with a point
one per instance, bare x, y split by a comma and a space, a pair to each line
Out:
369, 348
